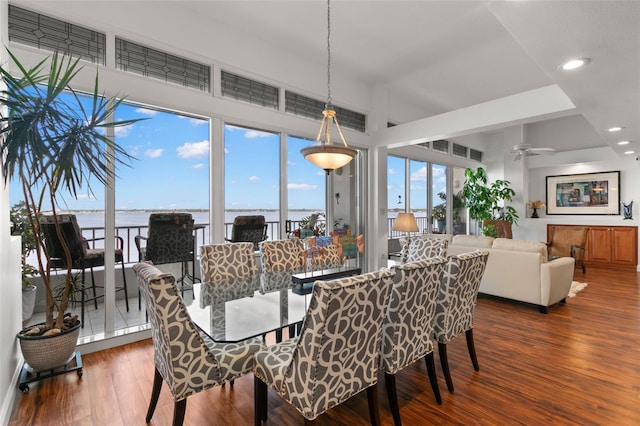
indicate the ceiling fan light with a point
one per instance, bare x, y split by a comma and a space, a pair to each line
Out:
615, 129
575, 64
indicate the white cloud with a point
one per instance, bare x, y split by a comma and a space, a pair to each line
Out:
321, 173
226, 151
85, 197
193, 149
252, 134
146, 111
302, 187
391, 171
254, 178
420, 174
198, 166
291, 163
193, 120
154, 153
122, 131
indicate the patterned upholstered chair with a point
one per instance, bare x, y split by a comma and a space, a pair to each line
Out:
185, 357
408, 326
423, 247
456, 304
82, 256
226, 261
252, 229
337, 353
282, 255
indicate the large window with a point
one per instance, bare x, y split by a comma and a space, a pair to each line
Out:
252, 175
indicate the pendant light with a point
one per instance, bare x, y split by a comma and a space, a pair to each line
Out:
324, 154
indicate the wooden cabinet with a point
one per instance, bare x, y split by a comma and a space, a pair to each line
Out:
612, 246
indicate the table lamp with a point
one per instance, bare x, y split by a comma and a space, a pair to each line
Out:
405, 222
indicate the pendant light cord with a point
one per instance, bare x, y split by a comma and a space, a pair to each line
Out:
329, 104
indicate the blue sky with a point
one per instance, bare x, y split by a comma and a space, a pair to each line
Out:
171, 167
417, 183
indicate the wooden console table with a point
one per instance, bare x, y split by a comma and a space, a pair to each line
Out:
611, 246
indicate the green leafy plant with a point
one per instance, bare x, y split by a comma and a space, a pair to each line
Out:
20, 226
484, 200
52, 143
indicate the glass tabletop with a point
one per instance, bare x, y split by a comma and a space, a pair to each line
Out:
237, 309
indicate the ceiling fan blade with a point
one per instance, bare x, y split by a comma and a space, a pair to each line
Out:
518, 156
543, 150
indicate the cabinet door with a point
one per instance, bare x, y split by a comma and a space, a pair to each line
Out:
599, 244
624, 245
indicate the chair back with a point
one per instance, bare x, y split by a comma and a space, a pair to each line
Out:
408, 325
503, 227
458, 293
282, 255
180, 354
337, 352
251, 229
423, 247
227, 261
71, 235
170, 238
563, 237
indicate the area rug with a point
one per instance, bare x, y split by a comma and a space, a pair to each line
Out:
576, 287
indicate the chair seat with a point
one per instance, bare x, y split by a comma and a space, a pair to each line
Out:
272, 362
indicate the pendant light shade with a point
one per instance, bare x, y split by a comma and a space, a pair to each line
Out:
324, 154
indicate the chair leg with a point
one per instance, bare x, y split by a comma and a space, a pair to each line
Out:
124, 283
82, 300
433, 379
392, 396
179, 408
372, 397
155, 394
259, 401
279, 335
93, 286
472, 349
444, 362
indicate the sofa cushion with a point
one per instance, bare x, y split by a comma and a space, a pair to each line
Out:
521, 245
479, 241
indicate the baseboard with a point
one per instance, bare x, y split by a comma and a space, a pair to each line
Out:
11, 395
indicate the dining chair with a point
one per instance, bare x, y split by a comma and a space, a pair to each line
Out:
456, 305
185, 357
282, 255
567, 241
422, 247
82, 255
337, 353
227, 261
408, 325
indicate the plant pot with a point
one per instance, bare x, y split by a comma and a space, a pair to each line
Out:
28, 303
45, 353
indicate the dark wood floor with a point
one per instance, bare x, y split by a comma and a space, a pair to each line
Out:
578, 365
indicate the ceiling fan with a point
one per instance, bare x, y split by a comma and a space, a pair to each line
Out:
526, 149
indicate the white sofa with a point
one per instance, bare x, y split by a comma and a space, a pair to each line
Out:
519, 269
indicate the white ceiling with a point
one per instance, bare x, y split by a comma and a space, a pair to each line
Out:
432, 57
440, 56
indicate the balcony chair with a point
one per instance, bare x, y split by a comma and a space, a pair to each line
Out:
82, 256
252, 229
568, 241
186, 358
170, 239
408, 326
337, 353
456, 304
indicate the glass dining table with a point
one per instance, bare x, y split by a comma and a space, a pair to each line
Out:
236, 309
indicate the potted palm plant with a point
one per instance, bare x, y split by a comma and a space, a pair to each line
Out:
52, 143
485, 201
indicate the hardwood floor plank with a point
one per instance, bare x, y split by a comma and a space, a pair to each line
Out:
579, 364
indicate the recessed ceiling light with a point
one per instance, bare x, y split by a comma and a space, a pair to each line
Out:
623, 143
629, 152
575, 63
615, 129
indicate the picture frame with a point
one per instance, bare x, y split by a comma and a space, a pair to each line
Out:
587, 193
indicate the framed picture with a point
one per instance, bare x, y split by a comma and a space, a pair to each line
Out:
589, 193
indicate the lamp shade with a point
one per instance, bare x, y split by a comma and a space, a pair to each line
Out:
405, 222
328, 157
